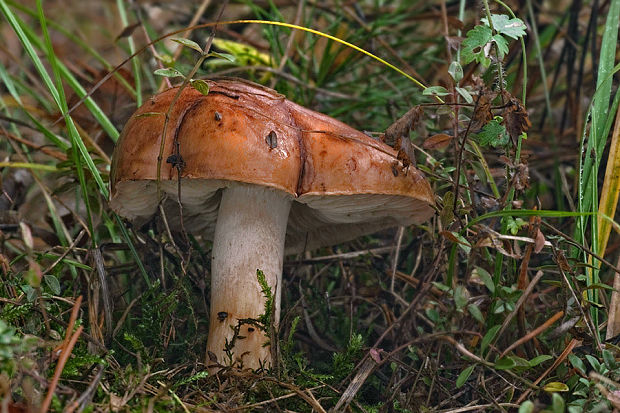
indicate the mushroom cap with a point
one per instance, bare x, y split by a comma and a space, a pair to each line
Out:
344, 183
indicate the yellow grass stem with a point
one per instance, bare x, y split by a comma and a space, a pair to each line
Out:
611, 189
330, 37
607, 206
38, 166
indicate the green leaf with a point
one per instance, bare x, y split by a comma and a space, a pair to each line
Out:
31, 293
502, 45
555, 386
474, 44
596, 365
460, 297
489, 337
601, 286
609, 359
441, 286
166, 59
432, 314
462, 378
485, 277
200, 85
225, 56
539, 359
557, 403
493, 134
456, 71
502, 24
505, 363
577, 363
187, 43
465, 94
52, 283
526, 407
474, 310
520, 363
435, 91
514, 225
169, 72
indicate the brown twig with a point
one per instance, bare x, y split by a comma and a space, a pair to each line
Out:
534, 333
72, 319
555, 364
522, 279
62, 360
48, 151
518, 305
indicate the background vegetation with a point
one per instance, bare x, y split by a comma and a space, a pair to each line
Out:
503, 301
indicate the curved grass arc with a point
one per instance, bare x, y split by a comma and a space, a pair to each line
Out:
267, 22
334, 38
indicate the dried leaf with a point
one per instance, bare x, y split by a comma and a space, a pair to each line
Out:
483, 114
26, 236
455, 23
488, 203
439, 141
403, 157
539, 243
454, 42
127, 31
402, 127
515, 116
457, 239
447, 212
521, 179
374, 353
506, 161
561, 260
406, 152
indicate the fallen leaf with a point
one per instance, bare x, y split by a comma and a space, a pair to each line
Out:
482, 114
439, 141
402, 127
127, 31
374, 353
539, 241
515, 116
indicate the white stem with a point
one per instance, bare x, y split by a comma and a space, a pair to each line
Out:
249, 235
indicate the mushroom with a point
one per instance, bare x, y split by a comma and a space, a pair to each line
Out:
262, 177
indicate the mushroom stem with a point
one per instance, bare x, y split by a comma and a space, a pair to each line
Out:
249, 235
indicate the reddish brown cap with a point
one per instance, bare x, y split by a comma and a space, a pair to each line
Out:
344, 183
